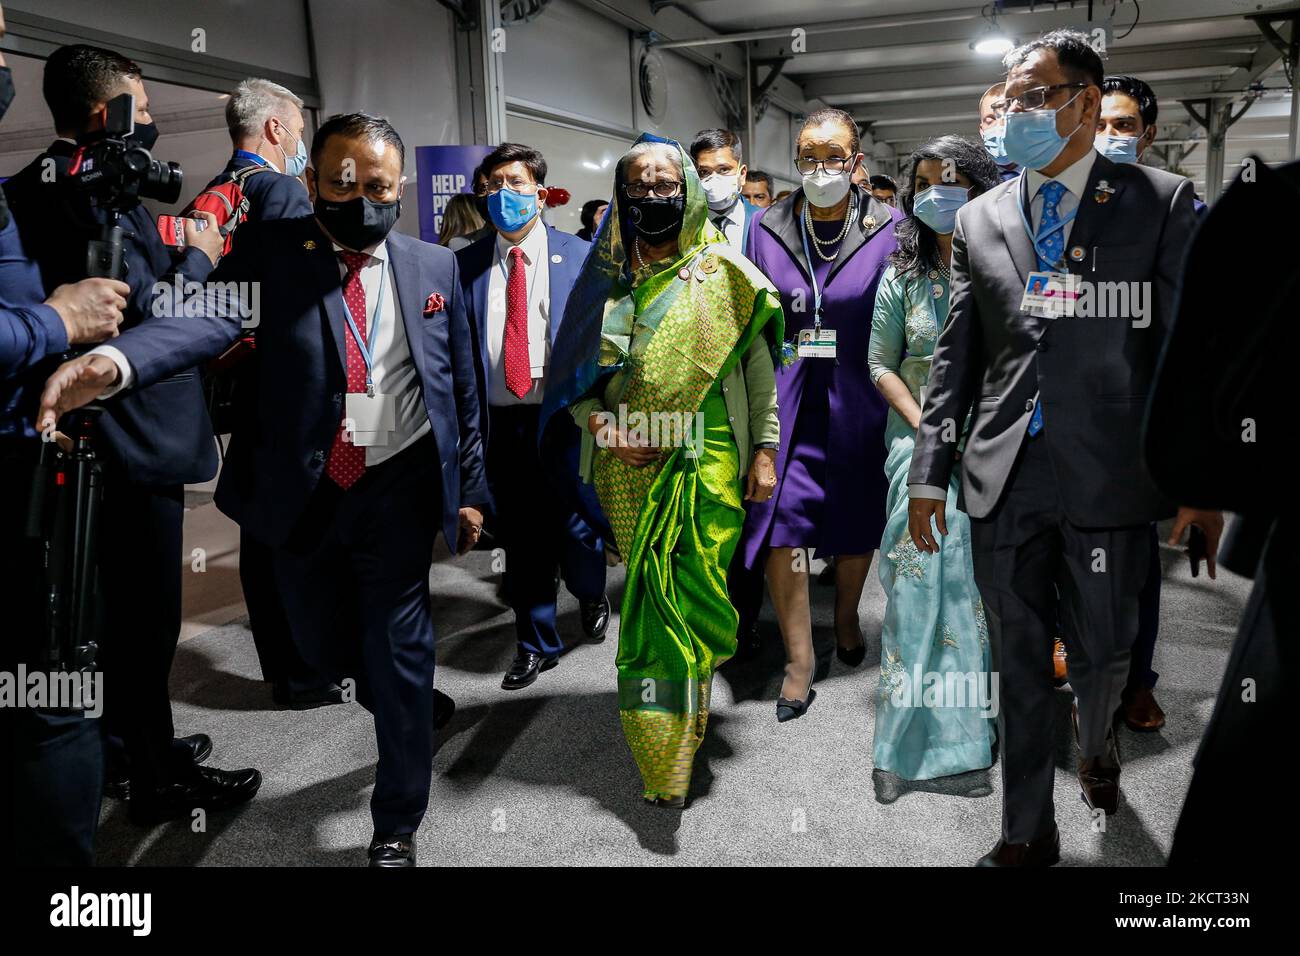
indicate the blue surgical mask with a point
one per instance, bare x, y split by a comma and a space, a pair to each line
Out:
510, 211
1031, 139
993, 143
1118, 149
295, 164
937, 207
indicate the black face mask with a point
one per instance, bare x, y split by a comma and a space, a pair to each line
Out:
144, 135
358, 223
653, 219
481, 204
6, 89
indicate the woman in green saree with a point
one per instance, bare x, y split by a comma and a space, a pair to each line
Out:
665, 359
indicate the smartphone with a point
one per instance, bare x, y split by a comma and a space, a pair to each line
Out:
172, 229
1197, 550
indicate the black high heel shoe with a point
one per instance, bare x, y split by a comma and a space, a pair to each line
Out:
787, 709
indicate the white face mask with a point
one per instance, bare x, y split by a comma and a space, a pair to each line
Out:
721, 190
825, 189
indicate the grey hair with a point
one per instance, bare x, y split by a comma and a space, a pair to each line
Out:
254, 102
642, 149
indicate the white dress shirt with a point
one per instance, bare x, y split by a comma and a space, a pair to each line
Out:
733, 223
537, 273
1075, 180
394, 372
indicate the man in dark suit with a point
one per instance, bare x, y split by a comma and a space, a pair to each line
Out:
517, 283
267, 130
49, 806
1219, 421
716, 154
153, 441
1052, 479
365, 444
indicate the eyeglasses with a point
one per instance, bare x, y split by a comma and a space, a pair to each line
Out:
835, 164
664, 190
1035, 99
518, 185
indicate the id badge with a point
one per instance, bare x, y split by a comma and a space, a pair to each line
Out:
817, 343
1050, 295
370, 419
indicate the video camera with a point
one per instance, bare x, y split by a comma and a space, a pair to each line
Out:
117, 174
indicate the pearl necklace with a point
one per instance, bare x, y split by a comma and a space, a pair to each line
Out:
844, 231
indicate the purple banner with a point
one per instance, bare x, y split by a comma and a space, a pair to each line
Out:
442, 172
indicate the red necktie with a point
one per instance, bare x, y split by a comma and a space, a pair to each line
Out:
347, 462
519, 369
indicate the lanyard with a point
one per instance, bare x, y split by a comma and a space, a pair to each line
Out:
1021, 188
812, 275
367, 345
251, 157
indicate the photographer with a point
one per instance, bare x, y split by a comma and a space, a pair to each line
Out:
153, 441
54, 757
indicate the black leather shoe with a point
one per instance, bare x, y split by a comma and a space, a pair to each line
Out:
209, 789
396, 849
1041, 851
200, 746
117, 786
525, 668
443, 709
595, 618
851, 656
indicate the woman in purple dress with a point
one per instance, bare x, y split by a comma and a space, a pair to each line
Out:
830, 496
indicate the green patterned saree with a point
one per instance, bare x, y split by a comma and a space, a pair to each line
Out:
669, 335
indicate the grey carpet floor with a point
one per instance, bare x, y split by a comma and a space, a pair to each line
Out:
542, 776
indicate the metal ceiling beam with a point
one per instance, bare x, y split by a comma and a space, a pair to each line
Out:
672, 23
1136, 60
960, 24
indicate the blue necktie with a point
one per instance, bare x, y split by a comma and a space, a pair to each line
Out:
1050, 249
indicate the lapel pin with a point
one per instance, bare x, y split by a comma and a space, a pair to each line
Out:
309, 245
869, 223
1077, 253
710, 264
1104, 191
557, 258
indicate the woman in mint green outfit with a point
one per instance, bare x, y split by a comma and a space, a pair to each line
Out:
933, 710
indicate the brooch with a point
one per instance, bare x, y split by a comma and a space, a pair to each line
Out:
709, 265
869, 223
309, 245
1104, 191
1077, 253
684, 273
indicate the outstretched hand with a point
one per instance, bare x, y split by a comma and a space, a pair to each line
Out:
74, 383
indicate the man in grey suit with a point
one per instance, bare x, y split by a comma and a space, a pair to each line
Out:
1052, 477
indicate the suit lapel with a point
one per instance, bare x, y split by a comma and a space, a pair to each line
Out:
325, 264
561, 281
1014, 232
407, 294
1093, 216
781, 222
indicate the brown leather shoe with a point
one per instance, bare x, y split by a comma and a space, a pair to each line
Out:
1141, 712
1041, 851
1060, 664
1099, 779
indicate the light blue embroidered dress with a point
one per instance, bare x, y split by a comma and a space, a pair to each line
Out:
934, 647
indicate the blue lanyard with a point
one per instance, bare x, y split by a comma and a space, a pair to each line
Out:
251, 157
1021, 188
812, 275
368, 350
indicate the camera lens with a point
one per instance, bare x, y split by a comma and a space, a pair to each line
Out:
162, 182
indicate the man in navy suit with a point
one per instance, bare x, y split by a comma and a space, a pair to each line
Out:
153, 441
517, 282
266, 129
365, 443
716, 154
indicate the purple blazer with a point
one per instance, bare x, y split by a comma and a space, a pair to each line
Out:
855, 482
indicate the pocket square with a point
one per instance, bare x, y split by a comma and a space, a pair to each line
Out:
433, 304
